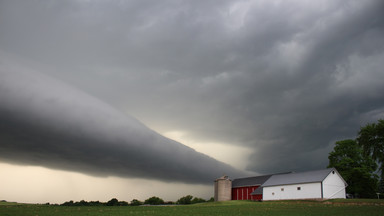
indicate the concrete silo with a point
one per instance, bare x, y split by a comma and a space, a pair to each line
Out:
223, 189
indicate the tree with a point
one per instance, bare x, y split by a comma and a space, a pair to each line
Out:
113, 202
357, 169
96, 203
83, 203
69, 203
189, 200
123, 203
185, 200
371, 139
154, 201
198, 200
381, 185
136, 202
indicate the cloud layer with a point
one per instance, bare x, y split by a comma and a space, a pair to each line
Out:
45, 122
283, 78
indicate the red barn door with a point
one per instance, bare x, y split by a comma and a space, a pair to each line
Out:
244, 193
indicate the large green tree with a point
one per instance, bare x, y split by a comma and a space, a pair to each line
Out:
371, 139
357, 169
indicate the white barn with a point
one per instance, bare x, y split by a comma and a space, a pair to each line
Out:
318, 184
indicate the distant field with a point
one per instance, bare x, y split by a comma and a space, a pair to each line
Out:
332, 207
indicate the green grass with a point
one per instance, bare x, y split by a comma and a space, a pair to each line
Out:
9, 203
327, 208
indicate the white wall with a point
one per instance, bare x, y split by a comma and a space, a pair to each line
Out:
333, 186
307, 191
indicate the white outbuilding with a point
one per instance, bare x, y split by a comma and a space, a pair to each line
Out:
318, 184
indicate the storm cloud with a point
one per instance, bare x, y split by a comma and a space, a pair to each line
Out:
285, 79
45, 122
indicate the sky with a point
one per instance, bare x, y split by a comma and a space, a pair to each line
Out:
133, 99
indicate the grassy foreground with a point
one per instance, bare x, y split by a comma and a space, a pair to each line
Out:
332, 207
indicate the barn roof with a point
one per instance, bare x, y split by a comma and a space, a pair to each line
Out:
258, 191
298, 178
250, 181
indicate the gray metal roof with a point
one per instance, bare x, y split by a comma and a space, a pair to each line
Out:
298, 178
259, 190
250, 181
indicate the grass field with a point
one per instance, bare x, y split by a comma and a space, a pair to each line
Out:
332, 207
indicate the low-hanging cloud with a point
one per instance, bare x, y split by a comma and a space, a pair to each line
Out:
284, 79
48, 123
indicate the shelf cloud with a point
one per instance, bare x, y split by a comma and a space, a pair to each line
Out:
48, 123
283, 80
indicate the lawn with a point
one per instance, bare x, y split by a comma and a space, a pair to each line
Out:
332, 207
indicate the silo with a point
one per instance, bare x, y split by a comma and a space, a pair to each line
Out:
223, 189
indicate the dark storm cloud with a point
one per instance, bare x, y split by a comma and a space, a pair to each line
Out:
284, 78
44, 122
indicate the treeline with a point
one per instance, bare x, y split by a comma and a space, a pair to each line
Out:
112, 202
150, 201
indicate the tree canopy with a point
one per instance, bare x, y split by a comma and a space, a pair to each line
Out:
190, 200
185, 200
154, 201
371, 138
357, 169
136, 202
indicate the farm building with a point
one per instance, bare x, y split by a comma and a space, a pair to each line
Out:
242, 188
317, 184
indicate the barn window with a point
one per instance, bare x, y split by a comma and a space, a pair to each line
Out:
273, 193
282, 189
333, 172
298, 188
